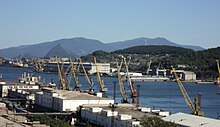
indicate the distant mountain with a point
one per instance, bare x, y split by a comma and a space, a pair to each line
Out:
26, 55
149, 41
81, 46
60, 51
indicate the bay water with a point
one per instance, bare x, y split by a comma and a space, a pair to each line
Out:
156, 95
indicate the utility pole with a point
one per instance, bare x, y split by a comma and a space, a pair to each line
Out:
114, 94
138, 96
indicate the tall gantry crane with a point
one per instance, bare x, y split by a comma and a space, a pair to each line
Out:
148, 66
103, 89
64, 81
86, 76
217, 82
195, 108
74, 72
122, 89
131, 83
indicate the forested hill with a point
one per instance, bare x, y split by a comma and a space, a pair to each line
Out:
155, 50
203, 63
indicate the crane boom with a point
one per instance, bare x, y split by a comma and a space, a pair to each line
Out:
185, 95
218, 69
122, 90
149, 64
128, 76
76, 81
86, 75
59, 73
101, 84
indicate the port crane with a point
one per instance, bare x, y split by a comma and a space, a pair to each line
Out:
64, 81
131, 83
74, 72
217, 82
148, 68
86, 75
195, 108
103, 89
122, 89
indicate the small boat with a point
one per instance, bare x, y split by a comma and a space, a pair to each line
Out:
217, 82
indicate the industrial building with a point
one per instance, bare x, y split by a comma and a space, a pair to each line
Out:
5, 86
188, 120
117, 115
63, 100
23, 94
186, 75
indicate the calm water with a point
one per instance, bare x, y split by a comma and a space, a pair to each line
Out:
158, 95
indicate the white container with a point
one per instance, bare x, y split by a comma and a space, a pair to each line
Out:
99, 94
145, 109
109, 113
2, 105
2, 83
164, 113
133, 123
156, 111
124, 117
95, 109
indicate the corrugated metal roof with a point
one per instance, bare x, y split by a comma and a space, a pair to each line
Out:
192, 120
75, 95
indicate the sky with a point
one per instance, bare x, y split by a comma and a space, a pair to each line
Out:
190, 22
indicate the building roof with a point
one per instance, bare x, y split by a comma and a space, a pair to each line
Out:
11, 83
189, 72
192, 120
75, 95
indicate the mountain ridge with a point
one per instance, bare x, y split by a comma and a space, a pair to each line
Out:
82, 46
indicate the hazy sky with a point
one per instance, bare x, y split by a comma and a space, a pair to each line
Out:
193, 22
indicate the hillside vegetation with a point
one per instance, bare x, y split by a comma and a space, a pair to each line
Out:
203, 63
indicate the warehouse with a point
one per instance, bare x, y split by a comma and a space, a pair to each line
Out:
188, 120
5, 86
62, 100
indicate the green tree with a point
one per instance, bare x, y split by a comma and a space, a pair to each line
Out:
155, 122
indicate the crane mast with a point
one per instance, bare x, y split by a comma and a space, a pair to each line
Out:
217, 81
149, 64
101, 83
218, 69
122, 90
60, 75
75, 76
86, 75
131, 83
128, 76
196, 108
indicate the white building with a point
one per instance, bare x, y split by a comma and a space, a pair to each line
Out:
188, 120
103, 68
62, 100
189, 76
108, 118
4, 86
25, 94
186, 75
